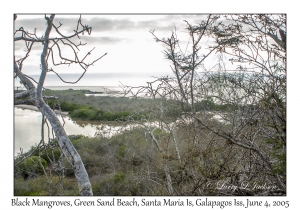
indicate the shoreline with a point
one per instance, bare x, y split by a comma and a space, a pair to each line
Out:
34, 108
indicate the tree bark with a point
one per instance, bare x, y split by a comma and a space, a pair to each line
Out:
36, 97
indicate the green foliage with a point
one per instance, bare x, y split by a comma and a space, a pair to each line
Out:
100, 108
159, 134
209, 105
280, 166
122, 150
90, 113
85, 112
32, 166
113, 185
278, 153
50, 154
206, 104
69, 107
40, 187
119, 177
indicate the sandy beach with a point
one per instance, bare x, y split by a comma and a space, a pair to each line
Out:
34, 108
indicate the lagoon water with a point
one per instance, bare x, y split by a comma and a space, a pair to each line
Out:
27, 123
27, 129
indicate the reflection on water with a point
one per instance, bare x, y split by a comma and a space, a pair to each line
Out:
27, 123
27, 129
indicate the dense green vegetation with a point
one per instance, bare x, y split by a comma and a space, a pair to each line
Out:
109, 108
111, 164
102, 108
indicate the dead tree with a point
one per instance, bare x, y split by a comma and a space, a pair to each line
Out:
34, 89
236, 115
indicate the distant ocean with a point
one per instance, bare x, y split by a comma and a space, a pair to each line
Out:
91, 88
115, 91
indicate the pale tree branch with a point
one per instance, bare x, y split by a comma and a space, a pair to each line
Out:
37, 98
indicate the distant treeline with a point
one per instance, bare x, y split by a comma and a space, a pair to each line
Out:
108, 108
85, 107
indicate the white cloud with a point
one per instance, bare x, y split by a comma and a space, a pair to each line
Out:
126, 39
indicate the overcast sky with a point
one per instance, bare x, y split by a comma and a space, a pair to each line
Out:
133, 55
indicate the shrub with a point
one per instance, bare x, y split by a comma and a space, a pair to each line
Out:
32, 166
122, 150
40, 187
69, 107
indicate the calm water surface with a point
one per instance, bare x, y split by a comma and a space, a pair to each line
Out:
27, 130
27, 123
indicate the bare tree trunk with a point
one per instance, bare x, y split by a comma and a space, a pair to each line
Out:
36, 97
169, 181
63, 140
